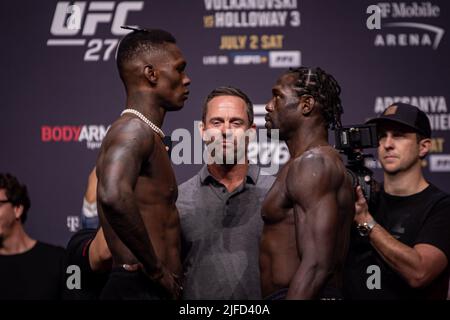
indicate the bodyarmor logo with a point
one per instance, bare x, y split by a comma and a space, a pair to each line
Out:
92, 134
71, 19
73, 223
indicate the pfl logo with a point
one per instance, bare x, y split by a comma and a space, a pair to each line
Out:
76, 21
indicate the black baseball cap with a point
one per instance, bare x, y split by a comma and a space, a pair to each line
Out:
407, 115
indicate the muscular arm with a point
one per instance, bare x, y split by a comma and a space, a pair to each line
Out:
418, 265
312, 188
118, 167
99, 254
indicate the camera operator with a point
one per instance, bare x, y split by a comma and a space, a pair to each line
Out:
400, 249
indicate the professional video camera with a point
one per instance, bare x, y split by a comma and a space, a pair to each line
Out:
351, 141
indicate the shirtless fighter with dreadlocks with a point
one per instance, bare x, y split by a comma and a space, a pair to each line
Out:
309, 210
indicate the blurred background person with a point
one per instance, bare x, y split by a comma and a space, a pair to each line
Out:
89, 214
29, 269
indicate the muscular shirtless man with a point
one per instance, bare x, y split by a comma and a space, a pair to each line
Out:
309, 210
136, 185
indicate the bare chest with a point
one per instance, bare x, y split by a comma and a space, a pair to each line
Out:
277, 206
156, 181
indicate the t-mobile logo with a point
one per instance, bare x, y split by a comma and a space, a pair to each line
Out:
73, 223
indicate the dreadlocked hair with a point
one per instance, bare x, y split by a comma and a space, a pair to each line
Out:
324, 88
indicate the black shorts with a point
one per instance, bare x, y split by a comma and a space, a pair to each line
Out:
330, 293
131, 285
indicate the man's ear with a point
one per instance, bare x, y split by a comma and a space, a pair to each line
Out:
18, 211
307, 104
424, 147
151, 74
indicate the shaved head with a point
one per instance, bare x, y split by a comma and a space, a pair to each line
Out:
137, 47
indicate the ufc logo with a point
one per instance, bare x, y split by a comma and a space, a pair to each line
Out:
69, 18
